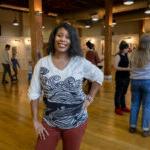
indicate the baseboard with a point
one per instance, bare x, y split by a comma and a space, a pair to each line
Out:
108, 77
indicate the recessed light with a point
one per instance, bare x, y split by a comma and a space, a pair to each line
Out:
147, 11
128, 2
87, 26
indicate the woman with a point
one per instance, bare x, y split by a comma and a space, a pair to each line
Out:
140, 86
121, 78
91, 54
59, 76
93, 57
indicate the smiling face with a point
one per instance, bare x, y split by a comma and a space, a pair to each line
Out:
62, 41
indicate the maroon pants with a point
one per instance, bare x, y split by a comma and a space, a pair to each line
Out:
71, 138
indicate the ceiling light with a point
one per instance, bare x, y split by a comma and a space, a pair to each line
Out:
87, 26
43, 27
15, 22
52, 14
128, 2
147, 11
95, 17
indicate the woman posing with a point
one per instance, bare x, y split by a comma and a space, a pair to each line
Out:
60, 76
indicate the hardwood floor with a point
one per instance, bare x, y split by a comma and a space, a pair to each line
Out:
105, 130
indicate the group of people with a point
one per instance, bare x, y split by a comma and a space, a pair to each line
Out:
6, 64
13, 63
137, 70
59, 76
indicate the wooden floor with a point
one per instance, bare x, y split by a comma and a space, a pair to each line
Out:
105, 131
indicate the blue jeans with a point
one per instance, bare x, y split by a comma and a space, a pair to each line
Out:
140, 95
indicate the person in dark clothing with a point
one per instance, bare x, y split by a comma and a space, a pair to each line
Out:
93, 57
91, 54
15, 66
122, 78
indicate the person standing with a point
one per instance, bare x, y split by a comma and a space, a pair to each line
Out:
6, 64
15, 66
93, 57
122, 78
140, 86
59, 76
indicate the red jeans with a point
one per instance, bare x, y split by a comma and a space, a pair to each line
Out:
71, 138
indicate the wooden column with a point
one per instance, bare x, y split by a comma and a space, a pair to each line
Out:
20, 23
36, 29
141, 28
79, 32
108, 39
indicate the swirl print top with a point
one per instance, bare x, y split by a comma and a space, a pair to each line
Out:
62, 90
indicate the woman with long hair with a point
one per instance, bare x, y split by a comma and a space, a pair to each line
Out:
59, 77
140, 86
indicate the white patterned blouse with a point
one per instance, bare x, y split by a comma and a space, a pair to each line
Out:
62, 90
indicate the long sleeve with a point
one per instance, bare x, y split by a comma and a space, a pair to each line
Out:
91, 72
34, 91
5, 57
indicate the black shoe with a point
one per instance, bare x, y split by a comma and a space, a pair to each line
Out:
146, 133
132, 130
13, 80
5, 82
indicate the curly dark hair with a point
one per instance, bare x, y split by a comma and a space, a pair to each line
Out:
74, 49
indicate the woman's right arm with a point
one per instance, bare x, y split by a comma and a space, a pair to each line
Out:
34, 94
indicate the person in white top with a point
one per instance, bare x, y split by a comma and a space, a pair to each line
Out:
59, 77
6, 64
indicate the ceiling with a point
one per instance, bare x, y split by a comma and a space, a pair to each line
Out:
80, 10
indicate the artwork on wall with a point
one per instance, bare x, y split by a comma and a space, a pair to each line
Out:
132, 47
102, 47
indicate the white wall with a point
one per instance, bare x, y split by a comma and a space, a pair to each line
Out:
126, 28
